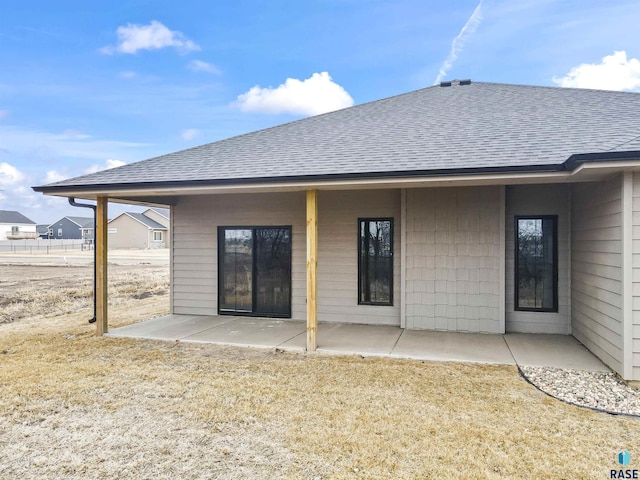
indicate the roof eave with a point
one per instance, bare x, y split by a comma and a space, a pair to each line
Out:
571, 164
299, 178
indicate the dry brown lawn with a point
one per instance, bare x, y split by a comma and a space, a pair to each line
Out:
76, 406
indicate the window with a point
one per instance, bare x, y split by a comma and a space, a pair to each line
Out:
157, 236
375, 261
536, 264
254, 271
15, 230
59, 232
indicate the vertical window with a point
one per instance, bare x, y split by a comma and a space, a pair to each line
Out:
15, 229
157, 236
536, 264
59, 232
375, 261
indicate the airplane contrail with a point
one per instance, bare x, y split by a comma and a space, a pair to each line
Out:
458, 43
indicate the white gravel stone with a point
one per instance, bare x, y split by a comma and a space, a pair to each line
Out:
601, 390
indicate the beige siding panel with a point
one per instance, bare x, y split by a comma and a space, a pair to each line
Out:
195, 222
338, 214
130, 233
635, 329
538, 200
596, 269
453, 259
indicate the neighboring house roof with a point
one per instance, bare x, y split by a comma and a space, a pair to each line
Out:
152, 224
42, 229
10, 216
161, 211
82, 222
463, 128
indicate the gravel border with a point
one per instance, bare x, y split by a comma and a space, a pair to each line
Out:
601, 391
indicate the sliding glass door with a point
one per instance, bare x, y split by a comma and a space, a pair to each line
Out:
255, 271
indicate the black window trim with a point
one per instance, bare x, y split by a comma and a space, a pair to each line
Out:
375, 219
554, 309
220, 248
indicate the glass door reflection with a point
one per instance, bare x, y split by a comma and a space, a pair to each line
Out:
273, 271
237, 271
255, 270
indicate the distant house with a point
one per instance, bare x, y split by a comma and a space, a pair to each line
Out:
15, 226
43, 231
146, 230
80, 228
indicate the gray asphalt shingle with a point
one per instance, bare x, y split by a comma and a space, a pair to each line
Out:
147, 221
436, 128
11, 216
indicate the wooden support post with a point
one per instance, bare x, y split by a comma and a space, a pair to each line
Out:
312, 270
101, 266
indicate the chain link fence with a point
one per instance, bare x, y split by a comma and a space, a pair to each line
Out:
44, 246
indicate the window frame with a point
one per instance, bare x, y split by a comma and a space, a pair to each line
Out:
391, 247
154, 235
219, 280
516, 243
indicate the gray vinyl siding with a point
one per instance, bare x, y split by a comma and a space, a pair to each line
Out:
596, 268
338, 213
195, 257
635, 343
70, 230
538, 200
454, 259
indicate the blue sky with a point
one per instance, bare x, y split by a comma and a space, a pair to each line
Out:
86, 85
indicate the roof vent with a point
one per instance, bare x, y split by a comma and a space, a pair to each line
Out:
455, 83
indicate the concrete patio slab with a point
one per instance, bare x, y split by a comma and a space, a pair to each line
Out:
351, 339
181, 331
151, 325
173, 327
453, 347
557, 351
249, 332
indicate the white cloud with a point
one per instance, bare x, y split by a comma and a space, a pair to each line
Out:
458, 43
4, 114
190, 133
154, 36
107, 165
317, 94
200, 66
10, 175
615, 72
53, 176
128, 74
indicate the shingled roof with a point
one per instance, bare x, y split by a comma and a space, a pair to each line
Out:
150, 223
476, 127
11, 216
